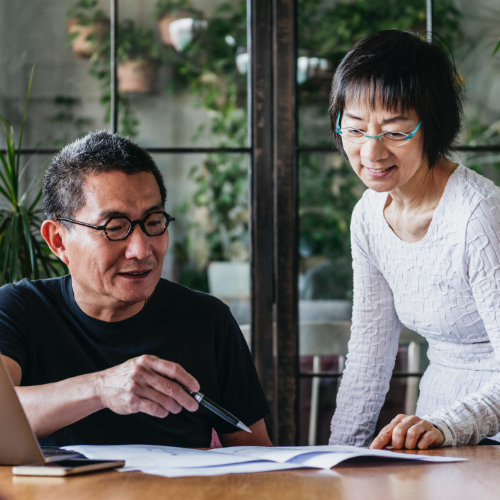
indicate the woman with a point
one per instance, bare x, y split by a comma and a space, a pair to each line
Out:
425, 246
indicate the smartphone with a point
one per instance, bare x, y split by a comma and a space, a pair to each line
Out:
67, 467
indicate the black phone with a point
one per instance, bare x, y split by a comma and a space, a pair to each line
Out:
68, 467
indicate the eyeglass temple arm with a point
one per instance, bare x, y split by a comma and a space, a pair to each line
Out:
102, 228
415, 131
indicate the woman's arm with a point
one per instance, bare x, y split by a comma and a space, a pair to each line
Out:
477, 416
372, 349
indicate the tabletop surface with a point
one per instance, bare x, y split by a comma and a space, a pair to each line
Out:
479, 478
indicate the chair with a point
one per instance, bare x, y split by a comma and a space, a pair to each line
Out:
326, 338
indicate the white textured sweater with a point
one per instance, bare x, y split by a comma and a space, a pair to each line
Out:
445, 287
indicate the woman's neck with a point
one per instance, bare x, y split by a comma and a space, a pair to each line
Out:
410, 208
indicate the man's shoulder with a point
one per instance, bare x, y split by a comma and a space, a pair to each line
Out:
27, 291
180, 294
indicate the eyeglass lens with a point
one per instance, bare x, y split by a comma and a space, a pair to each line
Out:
359, 137
118, 228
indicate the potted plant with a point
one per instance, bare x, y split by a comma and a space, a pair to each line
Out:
87, 27
23, 254
138, 56
168, 11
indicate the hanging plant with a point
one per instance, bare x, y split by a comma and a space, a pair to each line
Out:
138, 55
168, 11
87, 27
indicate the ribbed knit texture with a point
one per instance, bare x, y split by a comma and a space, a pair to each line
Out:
445, 287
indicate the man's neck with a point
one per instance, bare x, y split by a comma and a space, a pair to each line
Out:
105, 308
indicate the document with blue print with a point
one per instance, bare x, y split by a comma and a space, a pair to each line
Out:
171, 461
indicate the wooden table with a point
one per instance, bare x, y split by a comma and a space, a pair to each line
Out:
477, 479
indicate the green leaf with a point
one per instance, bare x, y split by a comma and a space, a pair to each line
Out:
24, 119
14, 257
497, 48
29, 240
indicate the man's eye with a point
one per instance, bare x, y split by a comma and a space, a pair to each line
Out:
153, 223
114, 226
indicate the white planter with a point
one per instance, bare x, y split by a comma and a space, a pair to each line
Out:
229, 280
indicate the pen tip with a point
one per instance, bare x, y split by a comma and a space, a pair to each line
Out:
241, 425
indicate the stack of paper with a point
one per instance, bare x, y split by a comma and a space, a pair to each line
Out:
173, 462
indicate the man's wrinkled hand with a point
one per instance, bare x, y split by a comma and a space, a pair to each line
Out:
146, 384
410, 432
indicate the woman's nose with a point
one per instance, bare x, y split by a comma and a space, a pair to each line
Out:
374, 150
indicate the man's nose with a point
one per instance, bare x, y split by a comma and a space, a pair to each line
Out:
374, 150
138, 244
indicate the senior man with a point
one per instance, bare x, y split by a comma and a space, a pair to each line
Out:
96, 355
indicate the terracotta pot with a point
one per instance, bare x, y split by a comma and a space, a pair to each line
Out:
166, 20
136, 76
81, 46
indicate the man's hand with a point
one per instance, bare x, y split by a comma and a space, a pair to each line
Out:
146, 384
410, 432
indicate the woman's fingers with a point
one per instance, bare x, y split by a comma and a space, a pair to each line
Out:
385, 436
431, 438
410, 432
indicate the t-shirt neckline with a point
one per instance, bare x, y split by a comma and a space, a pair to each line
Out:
109, 327
435, 215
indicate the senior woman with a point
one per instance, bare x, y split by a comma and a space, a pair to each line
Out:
425, 247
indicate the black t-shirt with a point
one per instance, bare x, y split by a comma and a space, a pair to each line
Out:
45, 331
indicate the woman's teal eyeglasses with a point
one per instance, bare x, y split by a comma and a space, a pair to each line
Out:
357, 136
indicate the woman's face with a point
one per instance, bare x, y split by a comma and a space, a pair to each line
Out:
381, 166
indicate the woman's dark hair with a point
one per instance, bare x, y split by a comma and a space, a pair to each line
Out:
402, 71
96, 153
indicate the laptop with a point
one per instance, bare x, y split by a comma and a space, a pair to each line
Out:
19, 445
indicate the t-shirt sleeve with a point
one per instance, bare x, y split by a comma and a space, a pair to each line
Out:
14, 323
477, 415
241, 392
372, 348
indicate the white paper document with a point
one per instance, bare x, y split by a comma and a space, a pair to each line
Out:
175, 462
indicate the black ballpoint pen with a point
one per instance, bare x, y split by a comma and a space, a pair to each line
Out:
228, 417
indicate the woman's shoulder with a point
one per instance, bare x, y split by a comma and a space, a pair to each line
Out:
469, 185
369, 207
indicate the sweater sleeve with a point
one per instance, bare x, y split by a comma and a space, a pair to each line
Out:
477, 415
372, 348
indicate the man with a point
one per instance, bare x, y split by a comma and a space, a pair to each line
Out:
97, 354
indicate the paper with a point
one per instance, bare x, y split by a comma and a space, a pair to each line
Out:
323, 457
176, 462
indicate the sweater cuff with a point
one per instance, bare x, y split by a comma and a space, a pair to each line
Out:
443, 427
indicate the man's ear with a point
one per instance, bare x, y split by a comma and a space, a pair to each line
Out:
55, 235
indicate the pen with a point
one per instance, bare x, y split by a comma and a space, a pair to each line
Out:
228, 417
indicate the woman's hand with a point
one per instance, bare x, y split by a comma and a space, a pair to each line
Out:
410, 432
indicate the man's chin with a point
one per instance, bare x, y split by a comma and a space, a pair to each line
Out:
135, 291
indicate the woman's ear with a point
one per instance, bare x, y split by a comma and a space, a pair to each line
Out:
54, 234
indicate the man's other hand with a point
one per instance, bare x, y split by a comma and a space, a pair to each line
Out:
146, 384
410, 432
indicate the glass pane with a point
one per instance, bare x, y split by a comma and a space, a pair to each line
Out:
183, 72
480, 70
65, 99
486, 163
328, 191
209, 243
327, 29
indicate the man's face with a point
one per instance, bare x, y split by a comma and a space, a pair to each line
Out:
115, 273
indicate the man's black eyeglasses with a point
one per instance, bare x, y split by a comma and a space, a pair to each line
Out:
118, 228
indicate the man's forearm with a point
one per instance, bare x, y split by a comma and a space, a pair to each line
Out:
53, 406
